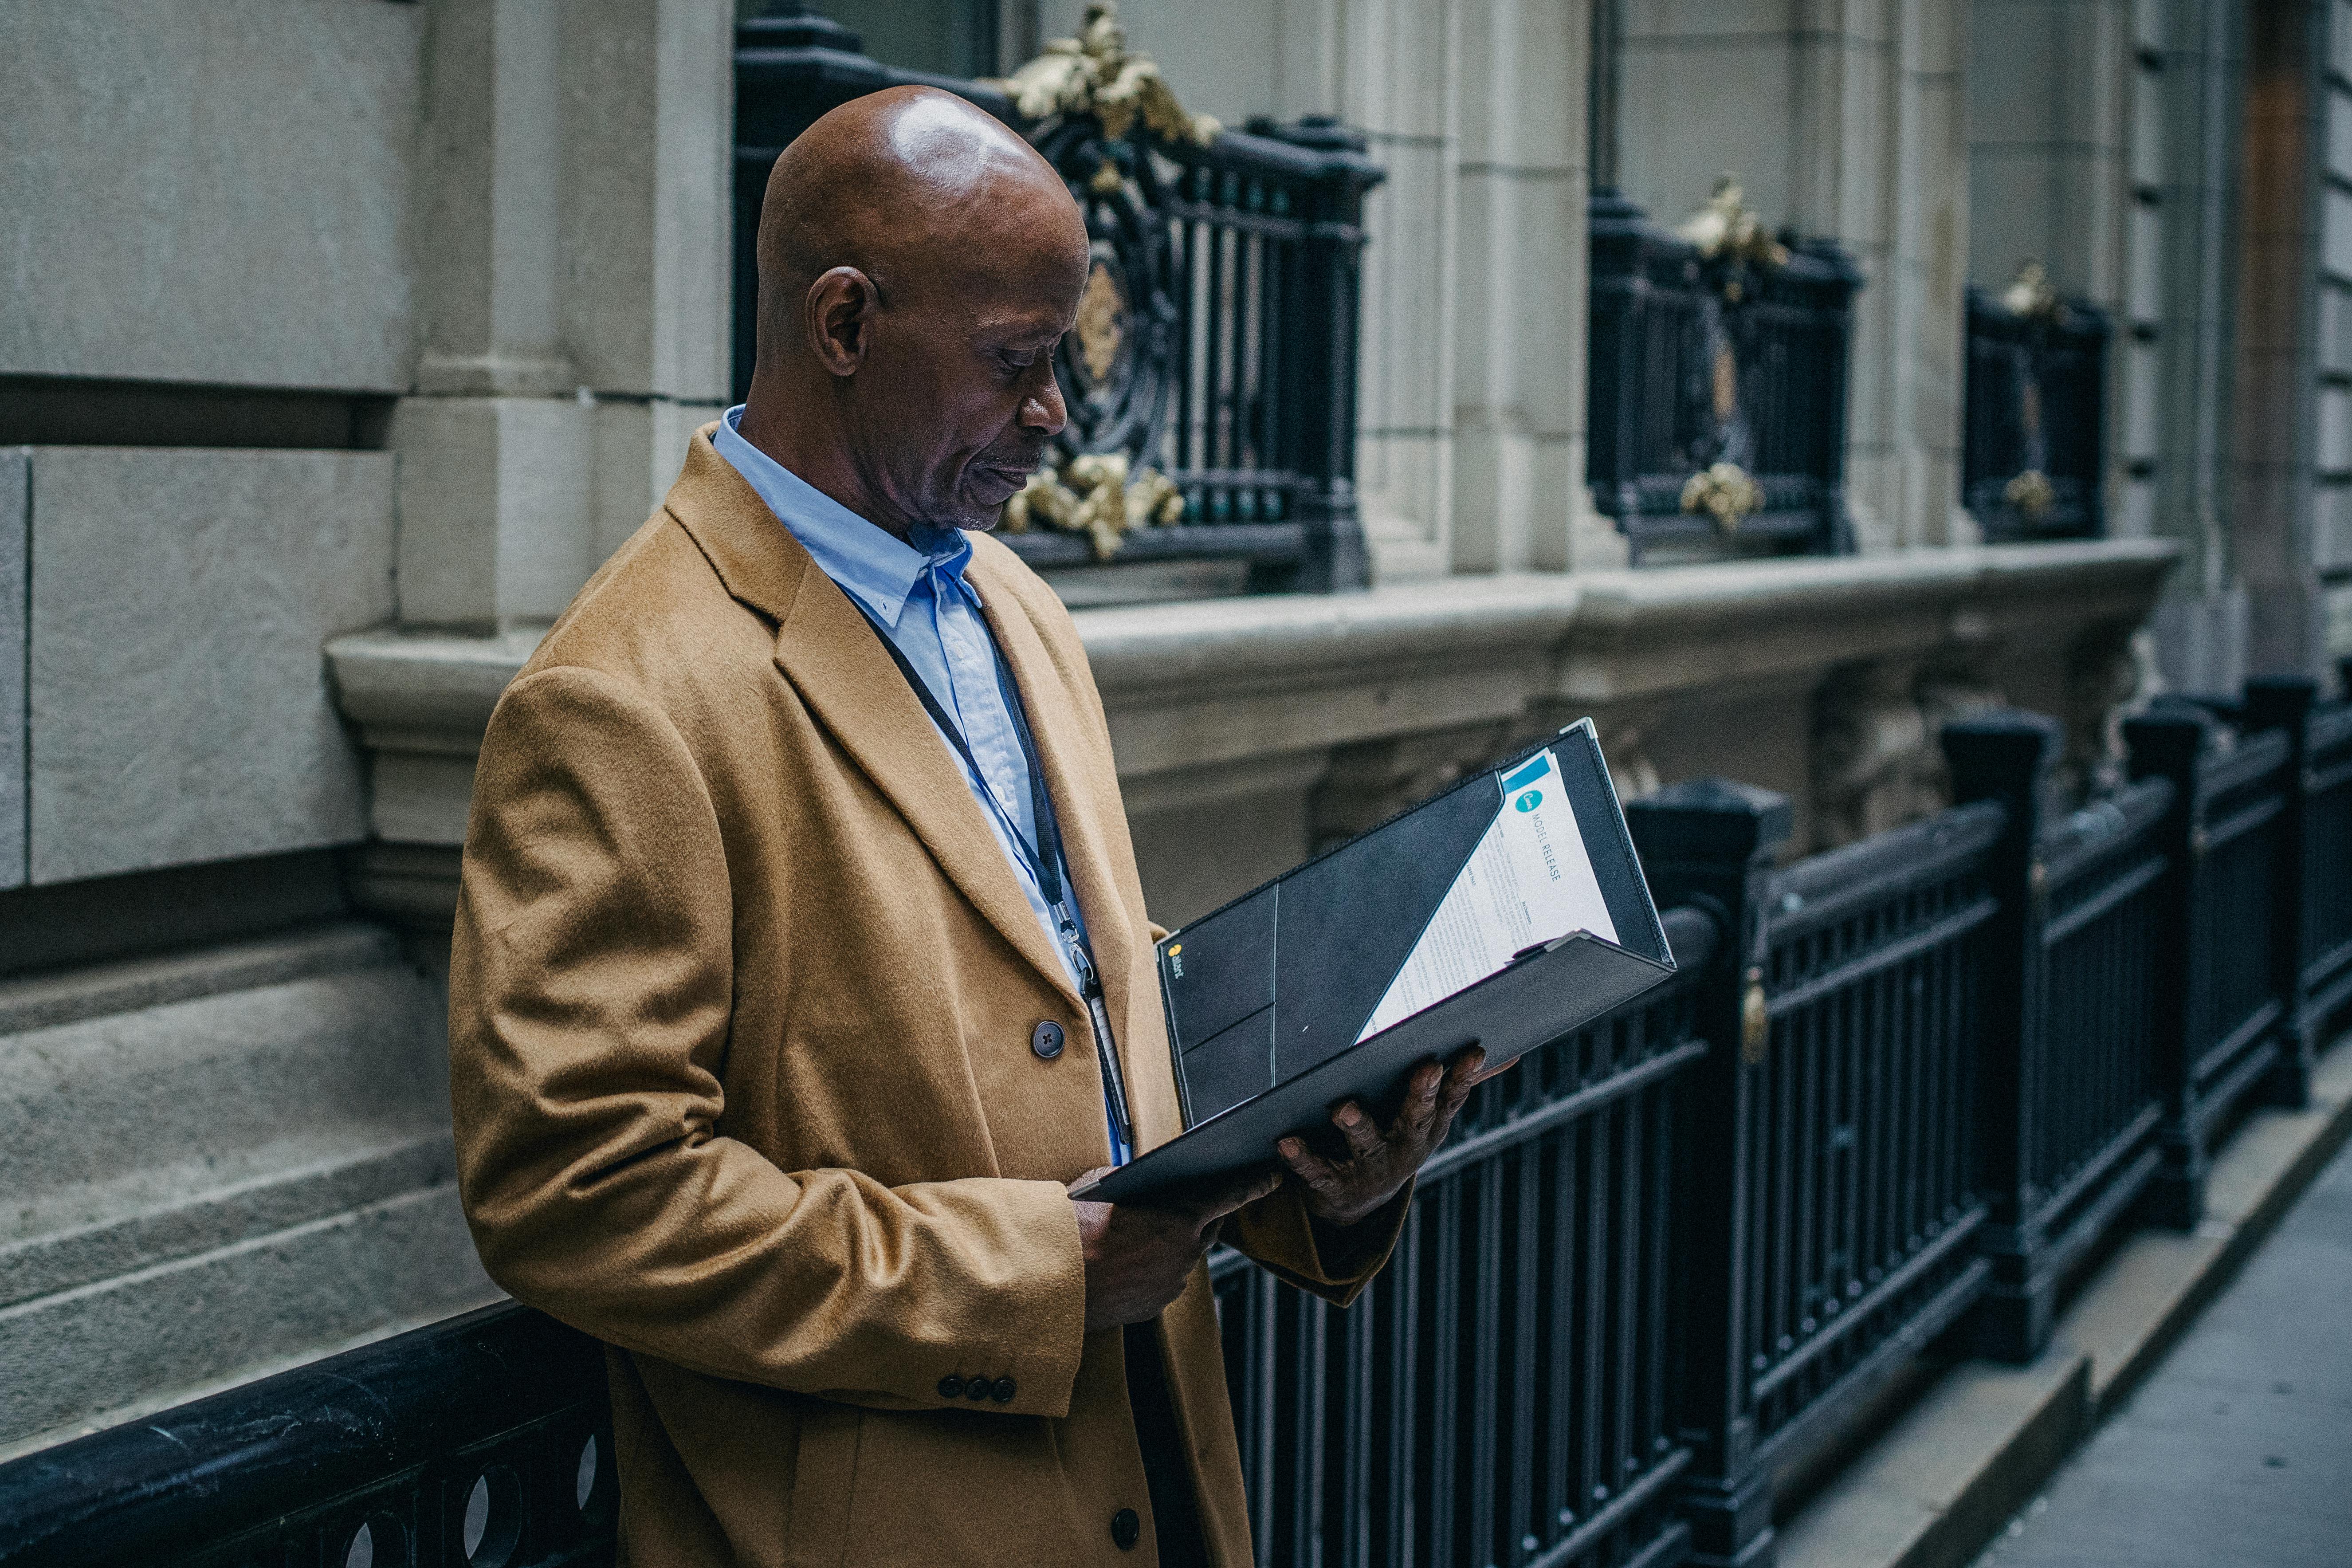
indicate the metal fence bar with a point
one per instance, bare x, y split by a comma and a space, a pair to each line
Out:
1520, 1332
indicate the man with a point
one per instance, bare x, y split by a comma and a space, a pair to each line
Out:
798, 920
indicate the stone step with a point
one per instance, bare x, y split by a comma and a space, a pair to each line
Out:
219, 1161
161, 1331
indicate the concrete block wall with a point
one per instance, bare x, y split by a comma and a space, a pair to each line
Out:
214, 194
177, 707
16, 478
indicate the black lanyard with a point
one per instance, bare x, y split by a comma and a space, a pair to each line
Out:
1045, 858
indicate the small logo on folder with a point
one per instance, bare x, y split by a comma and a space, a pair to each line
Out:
1529, 801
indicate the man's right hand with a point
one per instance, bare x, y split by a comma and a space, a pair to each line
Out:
1138, 1257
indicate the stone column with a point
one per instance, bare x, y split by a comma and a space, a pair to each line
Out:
2290, 422
1843, 120
2047, 86
2180, 295
1394, 68
571, 244
1519, 500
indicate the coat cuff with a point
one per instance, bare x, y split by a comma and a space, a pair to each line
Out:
1280, 1234
1022, 1358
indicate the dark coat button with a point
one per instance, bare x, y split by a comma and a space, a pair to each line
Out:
1002, 1392
1045, 1039
951, 1387
1125, 1528
978, 1389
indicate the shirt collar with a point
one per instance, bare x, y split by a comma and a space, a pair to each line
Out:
872, 564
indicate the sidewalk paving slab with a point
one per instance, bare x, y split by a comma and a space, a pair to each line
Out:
1984, 1439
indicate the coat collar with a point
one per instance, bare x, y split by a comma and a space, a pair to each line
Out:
834, 660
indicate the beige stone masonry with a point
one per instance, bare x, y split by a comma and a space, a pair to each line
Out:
1250, 730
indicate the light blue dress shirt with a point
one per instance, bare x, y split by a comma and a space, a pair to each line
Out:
917, 592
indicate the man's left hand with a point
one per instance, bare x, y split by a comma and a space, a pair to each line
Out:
1379, 1163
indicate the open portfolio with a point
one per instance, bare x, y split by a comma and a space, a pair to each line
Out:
1505, 912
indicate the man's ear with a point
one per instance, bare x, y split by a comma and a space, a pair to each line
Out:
838, 316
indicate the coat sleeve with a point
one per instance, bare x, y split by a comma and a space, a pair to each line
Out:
1277, 1233
590, 999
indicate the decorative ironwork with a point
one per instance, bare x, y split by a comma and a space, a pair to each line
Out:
1724, 492
1717, 382
2035, 443
1217, 337
1725, 232
1091, 495
1095, 75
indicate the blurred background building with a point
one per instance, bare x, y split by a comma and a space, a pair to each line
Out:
342, 339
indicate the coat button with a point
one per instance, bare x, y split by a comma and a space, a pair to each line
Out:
1125, 1528
1002, 1392
951, 1387
978, 1388
1045, 1039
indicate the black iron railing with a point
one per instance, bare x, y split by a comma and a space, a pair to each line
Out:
2033, 454
2068, 1108
2322, 980
483, 1442
1895, 1090
1500, 1394
1217, 341
2218, 1002
1708, 375
1829, 1184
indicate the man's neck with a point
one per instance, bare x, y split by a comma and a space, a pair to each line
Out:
771, 424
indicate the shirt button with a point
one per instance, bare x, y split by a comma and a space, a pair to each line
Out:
1125, 1528
1004, 1391
951, 1387
978, 1389
1045, 1039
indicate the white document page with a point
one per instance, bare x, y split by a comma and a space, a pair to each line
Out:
1529, 881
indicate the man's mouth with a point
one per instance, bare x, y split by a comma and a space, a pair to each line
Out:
1012, 476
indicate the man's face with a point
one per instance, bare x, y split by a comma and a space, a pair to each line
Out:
956, 401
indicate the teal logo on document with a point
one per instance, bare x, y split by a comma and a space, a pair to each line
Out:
1525, 780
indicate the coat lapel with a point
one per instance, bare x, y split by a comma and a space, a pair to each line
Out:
1074, 774
831, 656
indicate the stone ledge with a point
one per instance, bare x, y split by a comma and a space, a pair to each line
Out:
128, 984
1937, 1486
1236, 682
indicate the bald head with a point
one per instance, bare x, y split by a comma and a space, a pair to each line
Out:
905, 185
918, 262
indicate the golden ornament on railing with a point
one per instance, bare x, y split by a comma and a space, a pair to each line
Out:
1724, 229
1093, 495
1725, 493
2030, 293
1094, 74
2031, 494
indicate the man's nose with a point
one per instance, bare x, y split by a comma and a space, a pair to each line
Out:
1043, 410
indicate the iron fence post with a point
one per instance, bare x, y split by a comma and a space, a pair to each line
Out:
1322, 341
2285, 702
2172, 745
2007, 757
1710, 843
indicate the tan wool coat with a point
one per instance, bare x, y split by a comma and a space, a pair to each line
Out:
742, 1003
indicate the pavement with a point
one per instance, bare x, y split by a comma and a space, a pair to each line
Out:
2236, 1450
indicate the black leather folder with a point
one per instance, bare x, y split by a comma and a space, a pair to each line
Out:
1266, 997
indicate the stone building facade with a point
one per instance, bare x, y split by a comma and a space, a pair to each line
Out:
343, 338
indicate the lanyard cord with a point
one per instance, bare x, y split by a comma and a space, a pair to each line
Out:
1045, 858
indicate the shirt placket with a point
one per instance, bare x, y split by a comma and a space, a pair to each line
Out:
979, 705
